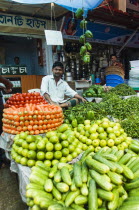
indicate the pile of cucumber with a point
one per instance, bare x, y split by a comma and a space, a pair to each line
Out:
106, 180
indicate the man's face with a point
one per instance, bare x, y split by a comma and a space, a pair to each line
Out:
113, 59
57, 71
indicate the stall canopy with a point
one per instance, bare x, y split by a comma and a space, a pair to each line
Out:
71, 5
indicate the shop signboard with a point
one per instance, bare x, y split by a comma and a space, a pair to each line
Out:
22, 22
13, 70
102, 33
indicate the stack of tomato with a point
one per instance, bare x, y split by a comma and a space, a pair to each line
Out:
20, 99
32, 118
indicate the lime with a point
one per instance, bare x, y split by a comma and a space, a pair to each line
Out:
47, 163
57, 155
31, 163
54, 139
65, 144
32, 146
31, 154
49, 146
54, 162
63, 160
57, 146
65, 152
49, 155
40, 155
23, 161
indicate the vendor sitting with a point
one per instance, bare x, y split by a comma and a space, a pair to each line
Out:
54, 89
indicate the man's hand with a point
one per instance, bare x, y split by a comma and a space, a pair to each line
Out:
83, 100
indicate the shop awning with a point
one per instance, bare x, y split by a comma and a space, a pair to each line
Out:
71, 5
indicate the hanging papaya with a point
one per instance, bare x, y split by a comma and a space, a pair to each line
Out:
83, 24
82, 39
86, 58
88, 46
83, 50
88, 34
79, 12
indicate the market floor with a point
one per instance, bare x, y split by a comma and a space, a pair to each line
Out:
10, 198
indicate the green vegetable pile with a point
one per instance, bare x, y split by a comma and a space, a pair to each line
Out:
94, 91
123, 90
126, 111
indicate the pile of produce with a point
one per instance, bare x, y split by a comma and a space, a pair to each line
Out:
68, 141
101, 180
20, 99
32, 118
56, 146
94, 91
123, 90
126, 111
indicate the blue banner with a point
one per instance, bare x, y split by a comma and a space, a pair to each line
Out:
102, 33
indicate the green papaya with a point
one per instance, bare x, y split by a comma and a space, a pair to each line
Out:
79, 12
88, 34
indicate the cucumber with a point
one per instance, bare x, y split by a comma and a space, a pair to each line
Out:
114, 150
42, 166
66, 175
134, 147
55, 207
84, 172
35, 207
136, 174
71, 197
127, 172
84, 189
115, 178
97, 166
73, 186
39, 170
125, 158
105, 195
101, 181
77, 207
85, 154
135, 168
56, 194
48, 185
134, 163
39, 199
108, 151
57, 176
99, 201
112, 205
77, 175
107, 177
119, 154
64, 195
81, 200
34, 186
110, 157
44, 204
35, 178
119, 168
31, 193
53, 171
62, 187
106, 162
131, 161
132, 185
92, 198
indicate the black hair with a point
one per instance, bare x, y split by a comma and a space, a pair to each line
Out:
58, 63
16, 57
113, 55
74, 25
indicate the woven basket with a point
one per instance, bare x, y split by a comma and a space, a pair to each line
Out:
115, 70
